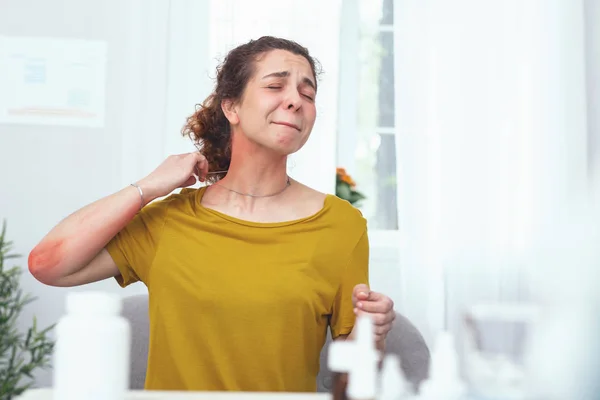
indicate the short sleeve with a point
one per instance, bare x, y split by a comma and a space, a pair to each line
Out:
134, 247
356, 272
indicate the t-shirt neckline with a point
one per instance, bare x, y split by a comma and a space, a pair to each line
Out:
202, 190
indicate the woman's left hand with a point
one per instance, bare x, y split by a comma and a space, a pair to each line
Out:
379, 307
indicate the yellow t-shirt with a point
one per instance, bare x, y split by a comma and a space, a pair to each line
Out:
237, 305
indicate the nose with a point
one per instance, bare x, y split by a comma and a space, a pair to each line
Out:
293, 100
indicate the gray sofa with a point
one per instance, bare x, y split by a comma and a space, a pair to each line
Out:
404, 340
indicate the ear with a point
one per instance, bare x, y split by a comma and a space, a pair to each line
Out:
230, 111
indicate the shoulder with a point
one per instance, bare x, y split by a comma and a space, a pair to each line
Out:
345, 210
182, 201
347, 222
339, 212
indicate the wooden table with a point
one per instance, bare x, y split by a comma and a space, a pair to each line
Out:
46, 394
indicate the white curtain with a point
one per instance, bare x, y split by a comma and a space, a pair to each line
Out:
491, 139
314, 24
165, 62
592, 43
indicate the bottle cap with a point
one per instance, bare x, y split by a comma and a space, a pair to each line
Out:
93, 303
358, 358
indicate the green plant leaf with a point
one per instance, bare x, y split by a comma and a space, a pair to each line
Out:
20, 353
343, 190
355, 197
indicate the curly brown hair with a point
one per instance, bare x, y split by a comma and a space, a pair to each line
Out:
208, 127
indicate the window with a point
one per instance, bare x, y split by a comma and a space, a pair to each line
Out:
366, 146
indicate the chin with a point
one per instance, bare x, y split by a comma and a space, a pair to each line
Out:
285, 150
286, 146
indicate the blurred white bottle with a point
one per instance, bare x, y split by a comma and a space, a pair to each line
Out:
91, 355
358, 359
444, 382
562, 361
393, 383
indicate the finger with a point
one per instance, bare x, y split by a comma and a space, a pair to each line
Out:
375, 296
373, 306
383, 319
201, 166
378, 318
383, 329
198, 157
360, 292
361, 288
388, 304
190, 181
380, 338
205, 169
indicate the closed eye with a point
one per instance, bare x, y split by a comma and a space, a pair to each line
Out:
276, 87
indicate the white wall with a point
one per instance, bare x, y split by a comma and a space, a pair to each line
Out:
156, 71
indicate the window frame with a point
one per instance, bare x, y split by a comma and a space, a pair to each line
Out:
383, 239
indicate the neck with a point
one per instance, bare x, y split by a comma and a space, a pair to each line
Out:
254, 169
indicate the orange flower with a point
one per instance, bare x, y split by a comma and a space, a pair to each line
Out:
344, 187
344, 177
348, 180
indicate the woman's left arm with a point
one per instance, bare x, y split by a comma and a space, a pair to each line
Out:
354, 298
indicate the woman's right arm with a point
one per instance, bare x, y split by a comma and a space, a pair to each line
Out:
73, 253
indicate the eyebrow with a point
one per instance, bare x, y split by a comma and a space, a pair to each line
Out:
285, 74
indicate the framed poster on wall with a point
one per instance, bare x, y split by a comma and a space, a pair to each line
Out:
52, 81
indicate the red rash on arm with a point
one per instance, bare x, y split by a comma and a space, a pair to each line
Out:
45, 257
78, 243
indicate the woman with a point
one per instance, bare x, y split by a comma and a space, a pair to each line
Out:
245, 275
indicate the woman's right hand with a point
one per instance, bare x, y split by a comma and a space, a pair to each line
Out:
176, 171
73, 252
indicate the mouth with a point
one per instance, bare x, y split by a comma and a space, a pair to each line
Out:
296, 127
